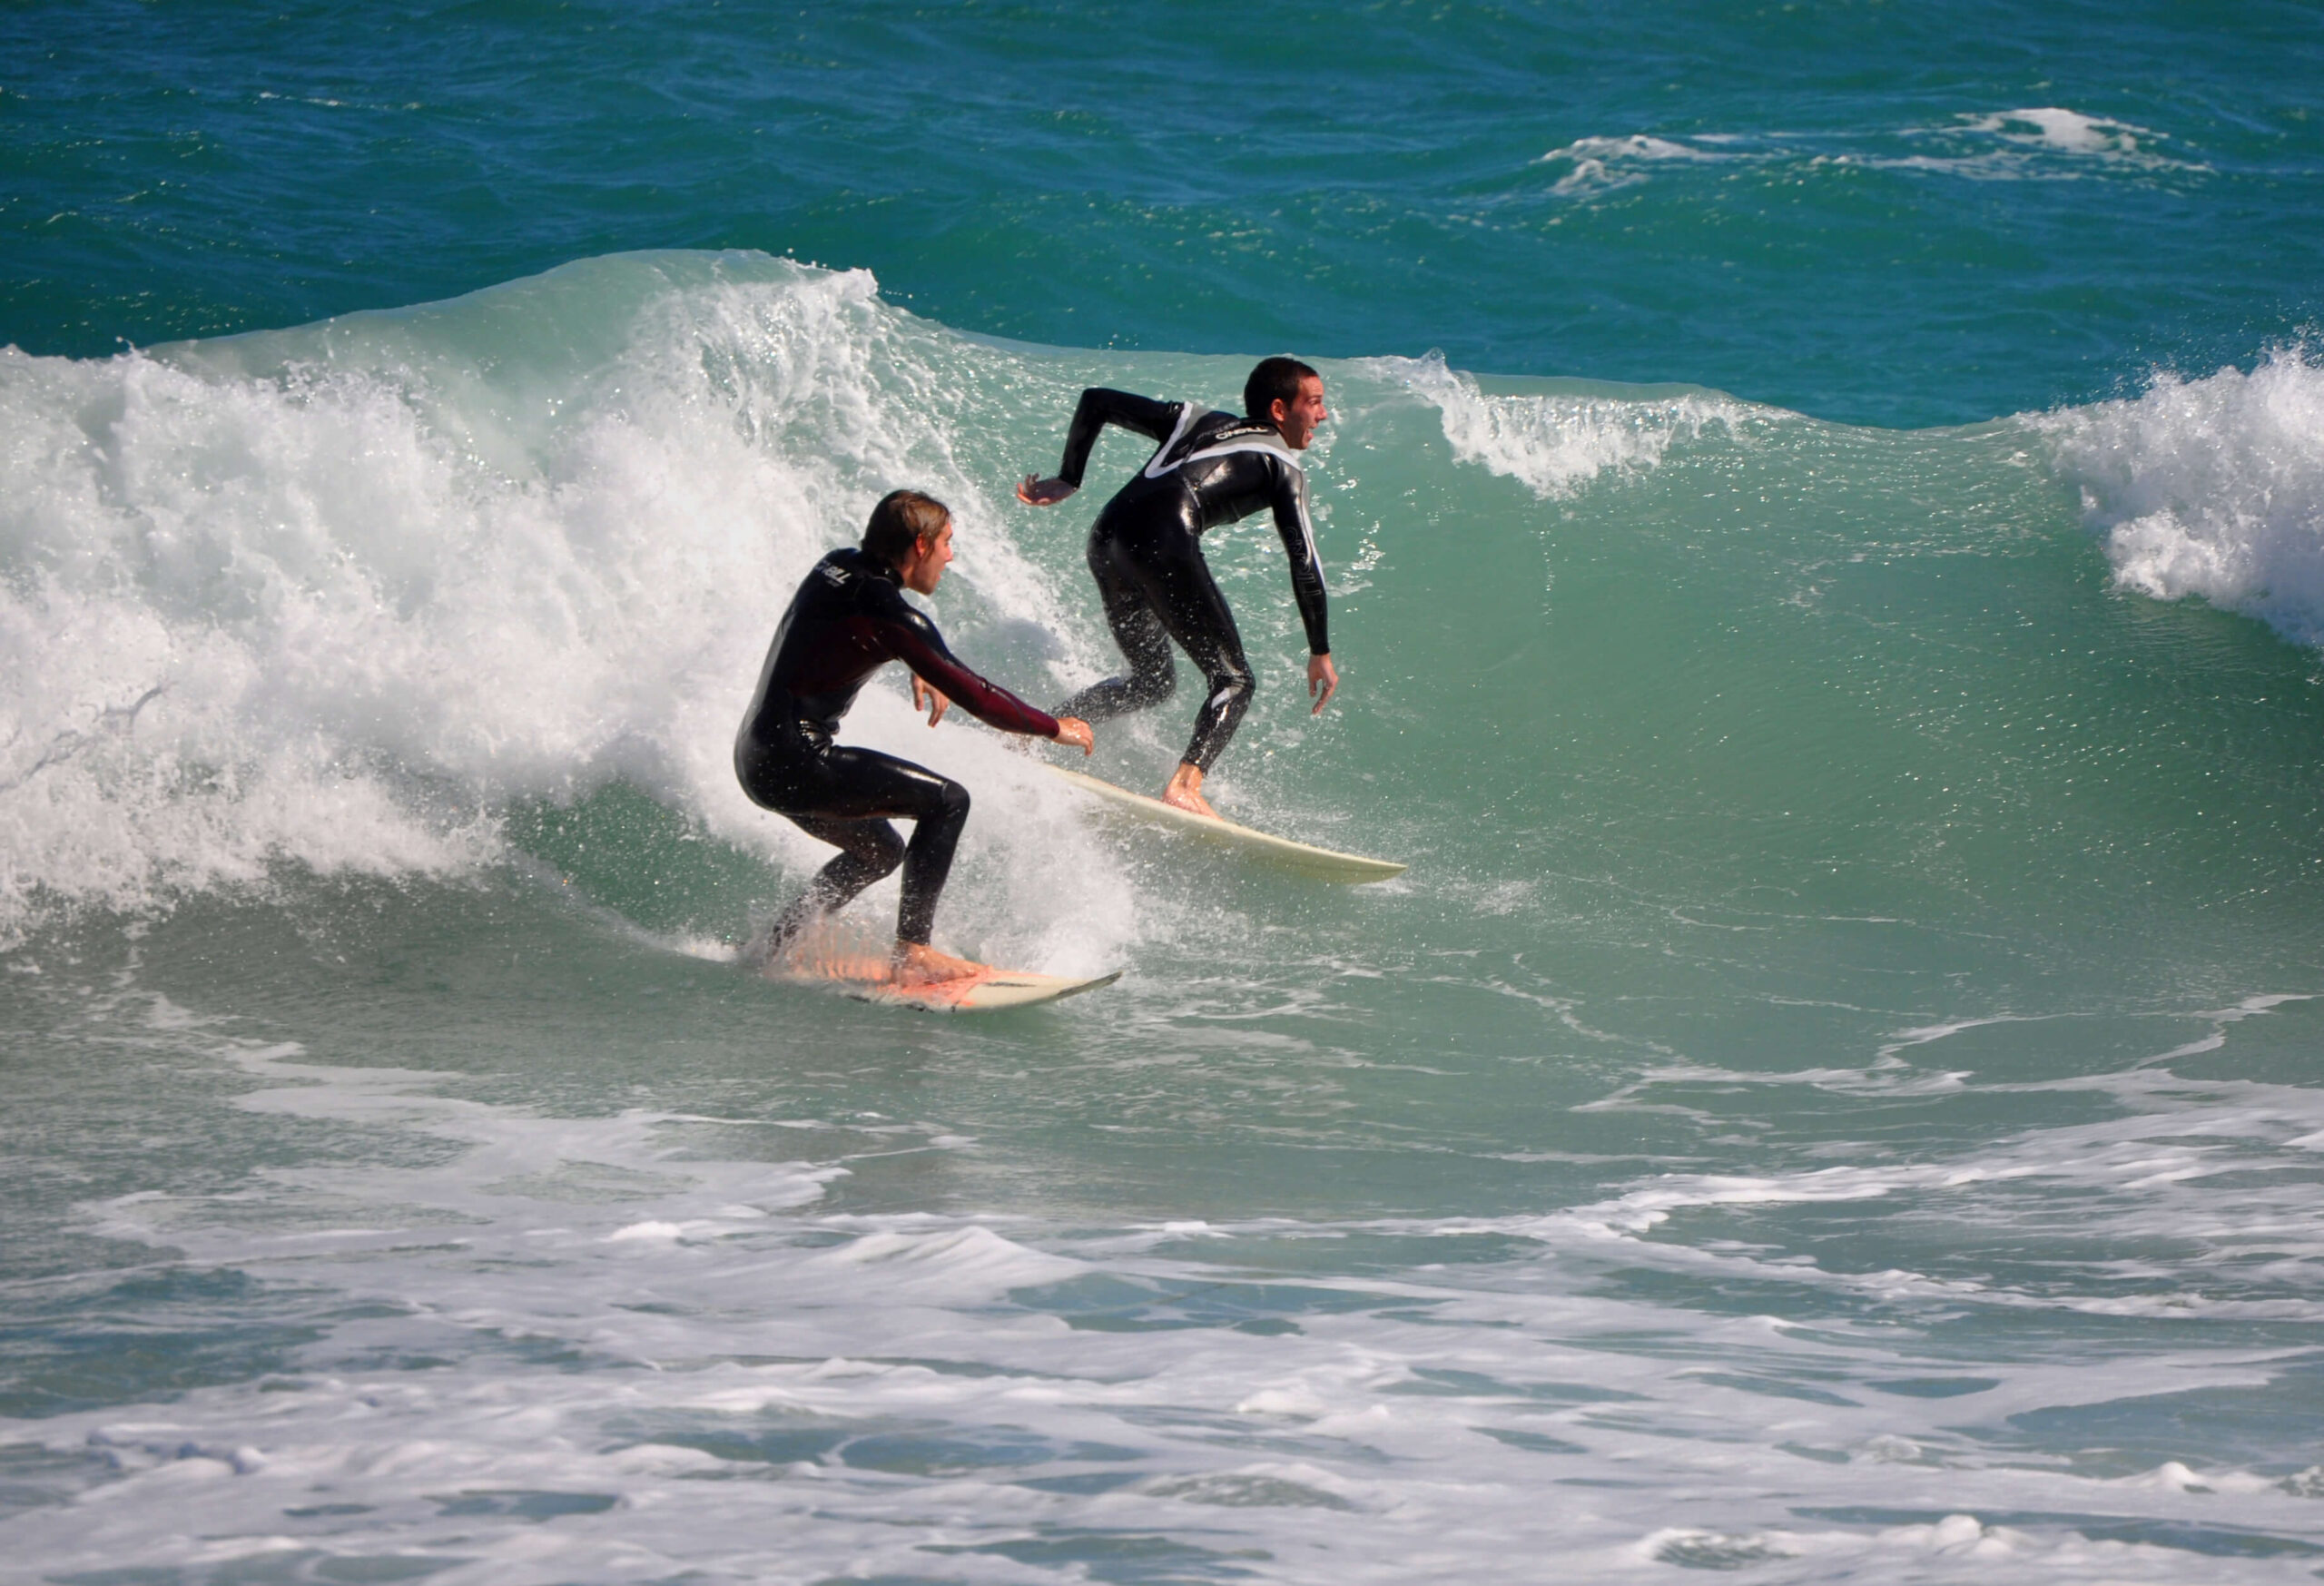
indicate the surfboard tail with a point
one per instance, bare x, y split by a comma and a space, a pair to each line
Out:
837, 958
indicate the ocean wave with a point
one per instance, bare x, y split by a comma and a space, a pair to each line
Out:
342, 597
2211, 487
332, 597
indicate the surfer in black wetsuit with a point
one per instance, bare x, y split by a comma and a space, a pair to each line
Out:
1145, 553
849, 619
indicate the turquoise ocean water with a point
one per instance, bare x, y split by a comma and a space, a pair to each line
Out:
1826, 522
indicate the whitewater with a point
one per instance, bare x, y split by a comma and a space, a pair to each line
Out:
1830, 1100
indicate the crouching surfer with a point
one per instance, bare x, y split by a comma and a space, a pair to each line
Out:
1145, 552
849, 619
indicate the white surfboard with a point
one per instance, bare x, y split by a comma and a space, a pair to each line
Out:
1279, 853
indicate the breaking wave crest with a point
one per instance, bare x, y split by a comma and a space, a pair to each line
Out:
2211, 487
332, 597
1557, 442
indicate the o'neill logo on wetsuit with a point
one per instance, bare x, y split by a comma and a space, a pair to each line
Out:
1242, 435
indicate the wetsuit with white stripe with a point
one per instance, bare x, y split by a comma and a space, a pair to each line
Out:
1144, 552
849, 619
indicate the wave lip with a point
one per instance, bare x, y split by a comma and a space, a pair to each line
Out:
1557, 443
2212, 487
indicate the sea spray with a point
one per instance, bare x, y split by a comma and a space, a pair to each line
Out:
2211, 487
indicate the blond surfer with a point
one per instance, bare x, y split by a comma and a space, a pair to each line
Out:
849, 619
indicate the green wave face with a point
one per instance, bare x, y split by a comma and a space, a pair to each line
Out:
1646, 665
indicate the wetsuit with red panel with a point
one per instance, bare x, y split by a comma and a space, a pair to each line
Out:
1145, 551
849, 619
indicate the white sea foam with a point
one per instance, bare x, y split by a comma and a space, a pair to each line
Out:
600, 1349
2042, 143
2066, 130
2211, 487
332, 597
1556, 445
1598, 165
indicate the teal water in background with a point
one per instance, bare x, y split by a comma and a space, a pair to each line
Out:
1826, 520
1867, 212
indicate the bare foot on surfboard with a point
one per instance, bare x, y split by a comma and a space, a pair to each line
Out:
916, 964
1192, 802
1184, 792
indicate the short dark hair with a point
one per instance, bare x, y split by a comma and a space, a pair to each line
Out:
1275, 380
902, 518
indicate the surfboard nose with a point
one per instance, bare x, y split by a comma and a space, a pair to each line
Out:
1282, 853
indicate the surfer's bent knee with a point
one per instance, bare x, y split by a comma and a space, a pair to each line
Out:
888, 849
1149, 687
953, 800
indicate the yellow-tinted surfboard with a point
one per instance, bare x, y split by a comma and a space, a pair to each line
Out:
1279, 853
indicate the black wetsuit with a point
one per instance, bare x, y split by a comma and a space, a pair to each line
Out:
1145, 554
849, 619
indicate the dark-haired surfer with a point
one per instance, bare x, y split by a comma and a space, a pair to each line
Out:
1144, 549
849, 619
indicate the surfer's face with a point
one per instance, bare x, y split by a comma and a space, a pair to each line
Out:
925, 566
1298, 418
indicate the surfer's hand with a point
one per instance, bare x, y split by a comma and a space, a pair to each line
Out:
1321, 674
1073, 730
924, 698
1035, 491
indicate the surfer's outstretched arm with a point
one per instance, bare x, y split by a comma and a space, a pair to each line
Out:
939, 677
1099, 407
927, 696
